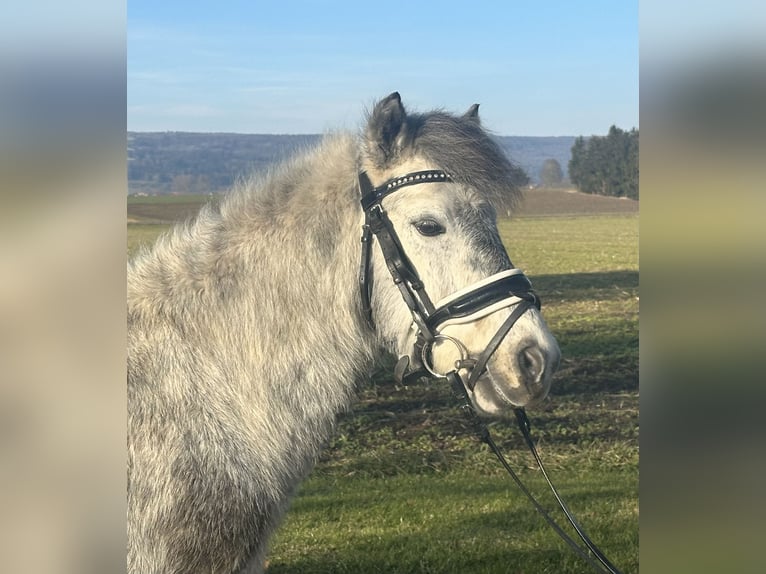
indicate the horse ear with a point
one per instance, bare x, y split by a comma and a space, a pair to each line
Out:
385, 129
472, 113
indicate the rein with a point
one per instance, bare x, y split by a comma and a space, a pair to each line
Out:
504, 289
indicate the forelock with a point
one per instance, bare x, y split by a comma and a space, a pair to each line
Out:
463, 149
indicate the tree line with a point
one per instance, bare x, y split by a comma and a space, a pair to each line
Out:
606, 165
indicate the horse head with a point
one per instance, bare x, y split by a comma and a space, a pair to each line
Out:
429, 184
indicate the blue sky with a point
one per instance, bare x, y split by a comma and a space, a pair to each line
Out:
536, 68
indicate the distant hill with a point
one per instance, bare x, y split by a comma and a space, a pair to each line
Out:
183, 162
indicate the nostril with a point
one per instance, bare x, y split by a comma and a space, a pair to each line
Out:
532, 363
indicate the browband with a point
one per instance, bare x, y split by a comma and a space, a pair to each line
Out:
372, 195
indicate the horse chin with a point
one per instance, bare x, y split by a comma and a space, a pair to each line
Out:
495, 397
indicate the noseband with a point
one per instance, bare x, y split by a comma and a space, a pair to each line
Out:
501, 290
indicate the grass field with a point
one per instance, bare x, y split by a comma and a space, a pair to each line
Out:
404, 486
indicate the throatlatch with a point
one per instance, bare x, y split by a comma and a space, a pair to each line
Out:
499, 291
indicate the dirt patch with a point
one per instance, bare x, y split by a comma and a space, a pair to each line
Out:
545, 202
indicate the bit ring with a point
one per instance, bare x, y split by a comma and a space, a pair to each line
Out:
425, 354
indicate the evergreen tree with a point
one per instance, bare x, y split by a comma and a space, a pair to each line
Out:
576, 163
631, 187
606, 165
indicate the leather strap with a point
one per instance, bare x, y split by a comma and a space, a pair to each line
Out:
365, 281
494, 343
603, 565
515, 285
402, 271
371, 196
525, 427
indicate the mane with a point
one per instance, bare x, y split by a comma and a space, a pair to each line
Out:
280, 192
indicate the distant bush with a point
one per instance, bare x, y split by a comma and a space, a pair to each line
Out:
551, 174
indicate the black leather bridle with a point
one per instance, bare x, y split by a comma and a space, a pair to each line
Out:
507, 287
502, 290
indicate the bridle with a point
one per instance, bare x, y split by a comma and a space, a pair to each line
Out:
502, 290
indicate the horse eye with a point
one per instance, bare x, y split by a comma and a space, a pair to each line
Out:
429, 228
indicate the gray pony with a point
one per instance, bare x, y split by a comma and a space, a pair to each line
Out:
246, 332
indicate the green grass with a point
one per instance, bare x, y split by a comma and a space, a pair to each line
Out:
565, 245
404, 486
456, 522
586, 271
164, 209
143, 234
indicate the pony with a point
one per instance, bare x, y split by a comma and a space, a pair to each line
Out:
247, 330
